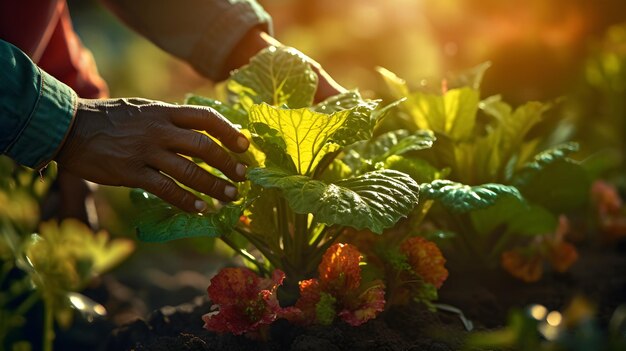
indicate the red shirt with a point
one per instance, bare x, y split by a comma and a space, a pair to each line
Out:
43, 30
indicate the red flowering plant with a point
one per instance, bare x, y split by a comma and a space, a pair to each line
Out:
527, 262
412, 267
610, 212
339, 291
242, 301
304, 189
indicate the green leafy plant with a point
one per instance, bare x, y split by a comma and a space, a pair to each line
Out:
60, 260
507, 181
52, 265
305, 185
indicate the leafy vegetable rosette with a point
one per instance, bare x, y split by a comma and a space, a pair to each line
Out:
315, 171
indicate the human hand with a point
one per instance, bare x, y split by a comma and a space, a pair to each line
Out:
256, 40
138, 143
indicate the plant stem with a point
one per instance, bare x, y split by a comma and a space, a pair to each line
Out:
48, 325
326, 161
466, 229
245, 254
422, 211
317, 254
27, 304
500, 244
317, 238
283, 224
300, 238
262, 247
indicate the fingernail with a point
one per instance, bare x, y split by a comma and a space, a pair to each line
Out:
200, 205
230, 191
242, 142
240, 169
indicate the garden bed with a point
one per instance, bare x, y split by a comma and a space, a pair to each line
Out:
484, 297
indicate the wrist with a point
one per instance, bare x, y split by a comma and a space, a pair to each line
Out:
253, 41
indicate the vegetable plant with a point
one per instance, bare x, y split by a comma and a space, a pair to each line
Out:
509, 178
303, 192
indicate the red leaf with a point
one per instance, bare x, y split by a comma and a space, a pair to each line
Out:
244, 301
370, 303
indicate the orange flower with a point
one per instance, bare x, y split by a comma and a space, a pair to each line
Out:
560, 253
527, 263
610, 210
562, 256
606, 198
339, 270
426, 260
528, 268
340, 284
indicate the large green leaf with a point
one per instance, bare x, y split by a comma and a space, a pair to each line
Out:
513, 126
235, 115
276, 76
261, 211
542, 160
452, 114
398, 142
344, 101
305, 133
361, 121
512, 215
560, 186
420, 170
160, 222
272, 144
472, 77
477, 161
396, 85
461, 198
374, 200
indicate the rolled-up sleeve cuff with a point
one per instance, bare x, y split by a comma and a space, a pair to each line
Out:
48, 125
223, 34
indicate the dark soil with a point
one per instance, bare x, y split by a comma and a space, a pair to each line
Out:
180, 328
484, 297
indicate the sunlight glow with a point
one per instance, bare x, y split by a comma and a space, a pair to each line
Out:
554, 318
538, 312
77, 302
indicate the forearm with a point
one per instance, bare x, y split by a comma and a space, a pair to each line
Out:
36, 110
203, 33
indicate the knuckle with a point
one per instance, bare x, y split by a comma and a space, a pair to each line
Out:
166, 186
157, 128
228, 162
190, 172
147, 180
141, 149
216, 187
200, 142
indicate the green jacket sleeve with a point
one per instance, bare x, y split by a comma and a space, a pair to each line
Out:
36, 110
201, 32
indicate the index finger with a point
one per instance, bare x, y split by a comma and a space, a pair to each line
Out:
211, 121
